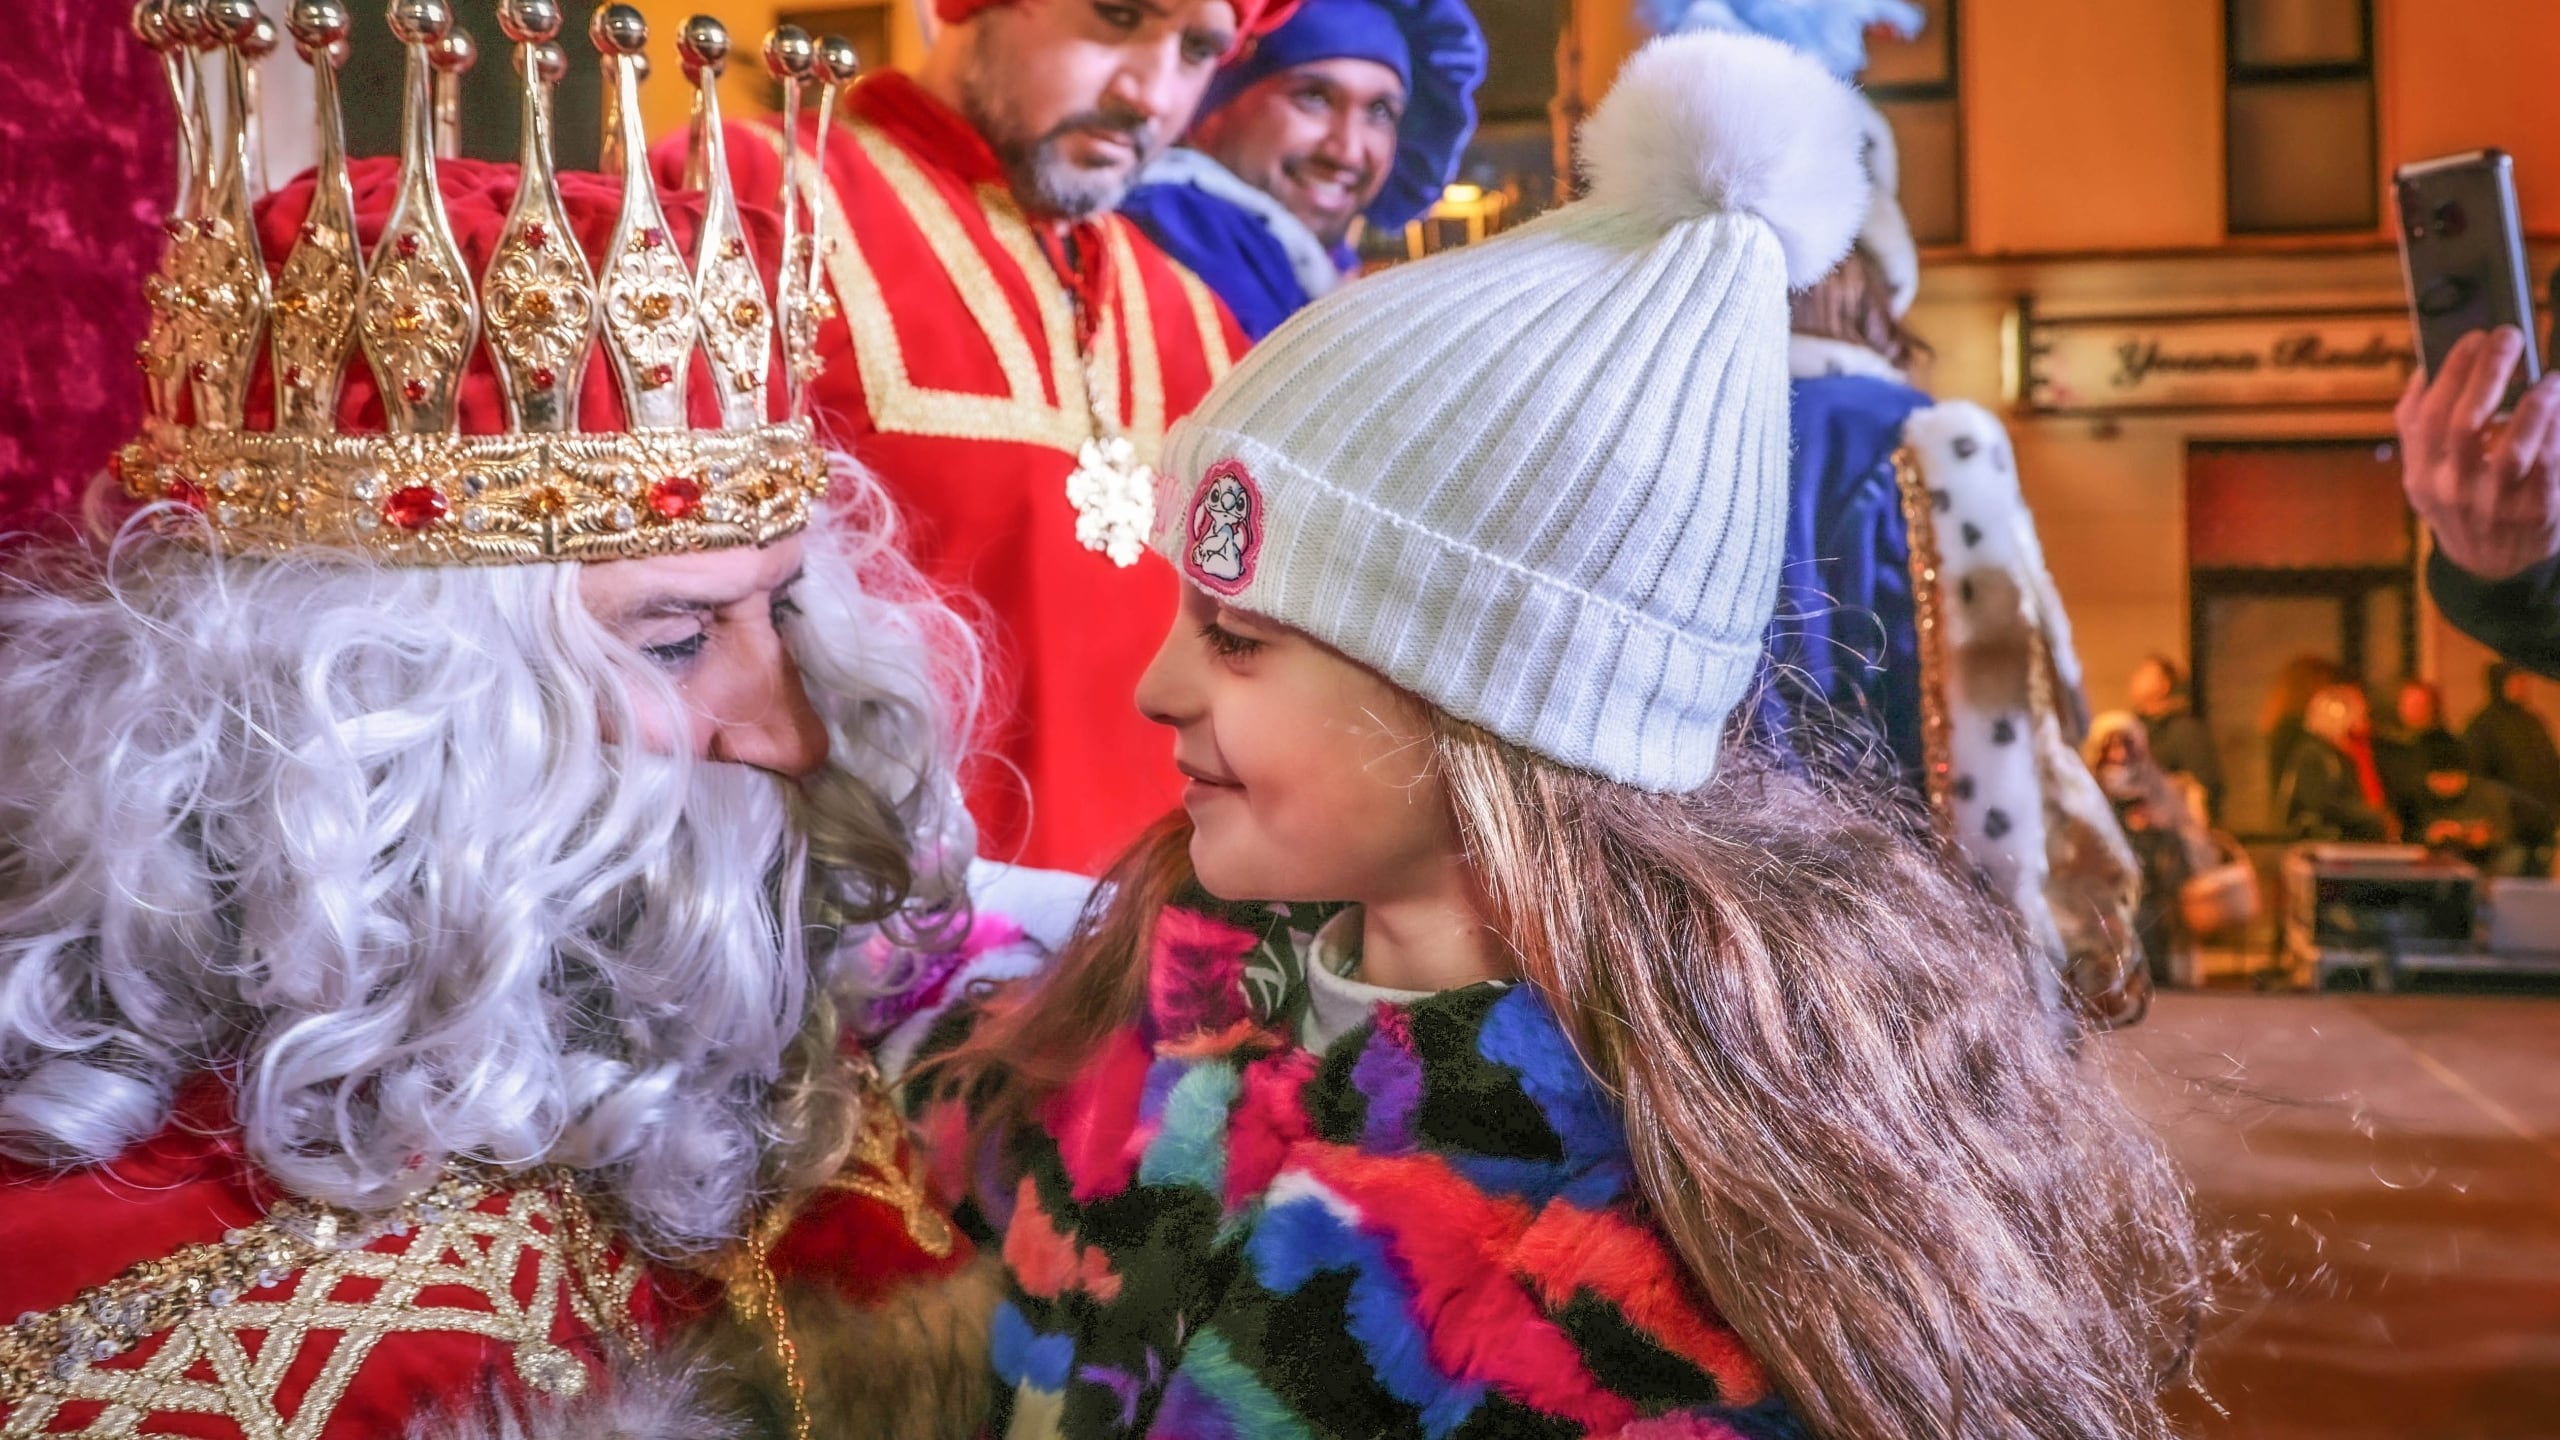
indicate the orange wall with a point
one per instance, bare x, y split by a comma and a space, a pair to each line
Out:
2092, 126
666, 100
2464, 74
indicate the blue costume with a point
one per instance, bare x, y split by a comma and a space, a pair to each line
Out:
1263, 262
1845, 638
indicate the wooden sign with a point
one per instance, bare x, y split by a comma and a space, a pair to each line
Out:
2182, 364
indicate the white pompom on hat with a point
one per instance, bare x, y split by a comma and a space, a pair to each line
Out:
1541, 482
1699, 124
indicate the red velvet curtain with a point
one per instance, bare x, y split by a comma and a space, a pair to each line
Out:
87, 170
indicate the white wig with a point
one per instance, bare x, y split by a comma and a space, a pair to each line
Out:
355, 838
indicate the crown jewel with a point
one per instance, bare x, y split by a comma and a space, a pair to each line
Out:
414, 313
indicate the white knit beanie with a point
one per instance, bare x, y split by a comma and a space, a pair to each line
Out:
1542, 481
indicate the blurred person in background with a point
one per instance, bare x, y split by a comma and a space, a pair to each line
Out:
2280, 716
2180, 743
2163, 820
1353, 111
2331, 788
2414, 745
1903, 504
2511, 747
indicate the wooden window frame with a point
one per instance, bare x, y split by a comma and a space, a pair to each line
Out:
2237, 76
1950, 91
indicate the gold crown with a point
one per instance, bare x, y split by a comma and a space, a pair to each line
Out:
420, 492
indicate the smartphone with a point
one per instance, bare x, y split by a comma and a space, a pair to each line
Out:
2462, 250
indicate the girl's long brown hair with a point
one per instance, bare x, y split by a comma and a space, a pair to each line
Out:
1925, 1213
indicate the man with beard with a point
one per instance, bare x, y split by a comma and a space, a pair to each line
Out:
433, 831
1008, 354
1354, 109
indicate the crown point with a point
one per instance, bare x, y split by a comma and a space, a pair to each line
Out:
839, 59
456, 53
185, 19
675, 497
414, 507
619, 30
228, 21
530, 22
260, 42
318, 25
704, 44
420, 22
788, 53
151, 23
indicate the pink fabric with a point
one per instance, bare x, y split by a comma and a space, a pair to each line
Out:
88, 160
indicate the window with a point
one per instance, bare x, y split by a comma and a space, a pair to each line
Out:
1914, 83
2300, 142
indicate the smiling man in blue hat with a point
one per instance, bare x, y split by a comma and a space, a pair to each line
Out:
1353, 109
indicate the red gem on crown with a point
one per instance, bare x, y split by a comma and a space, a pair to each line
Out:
408, 244
652, 238
544, 377
294, 378
414, 507
183, 492
660, 374
675, 497
414, 390
537, 235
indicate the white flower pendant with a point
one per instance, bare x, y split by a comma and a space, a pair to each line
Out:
1115, 499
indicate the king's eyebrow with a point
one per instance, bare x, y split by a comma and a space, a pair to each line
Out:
661, 606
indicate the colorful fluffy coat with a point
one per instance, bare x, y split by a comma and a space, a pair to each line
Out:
1430, 1228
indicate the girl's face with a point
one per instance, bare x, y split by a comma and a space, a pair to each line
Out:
1311, 777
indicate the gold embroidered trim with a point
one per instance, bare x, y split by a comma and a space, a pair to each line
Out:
1937, 732
1025, 413
872, 1169
204, 1300
1204, 317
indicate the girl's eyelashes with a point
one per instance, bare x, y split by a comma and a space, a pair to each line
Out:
1225, 643
786, 606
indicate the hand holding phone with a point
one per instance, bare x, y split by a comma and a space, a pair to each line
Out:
2462, 251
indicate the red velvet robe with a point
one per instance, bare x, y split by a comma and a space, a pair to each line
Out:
503, 1291
953, 372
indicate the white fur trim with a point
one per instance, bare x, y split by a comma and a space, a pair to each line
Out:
1722, 123
1887, 232
1811, 357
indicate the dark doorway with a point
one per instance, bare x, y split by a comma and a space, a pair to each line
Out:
2294, 549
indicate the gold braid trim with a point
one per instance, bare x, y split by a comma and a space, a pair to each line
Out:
873, 1170
1937, 730
205, 1298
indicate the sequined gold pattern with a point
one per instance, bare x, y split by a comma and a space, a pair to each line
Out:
237, 1322
1937, 735
423, 494
312, 323
542, 317
483, 499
